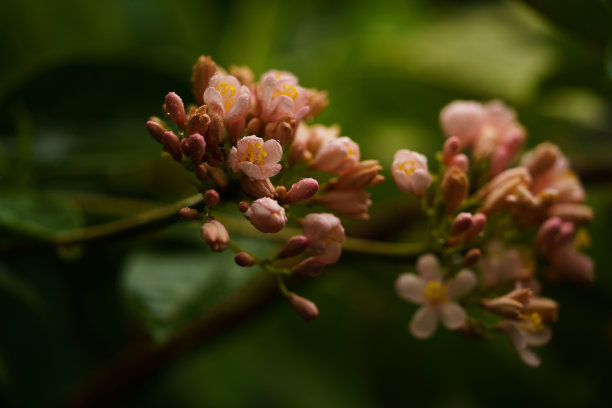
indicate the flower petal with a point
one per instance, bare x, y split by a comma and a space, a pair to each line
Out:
424, 322
538, 338
461, 284
429, 267
410, 287
529, 357
452, 314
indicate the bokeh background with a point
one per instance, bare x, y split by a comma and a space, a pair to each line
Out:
78, 79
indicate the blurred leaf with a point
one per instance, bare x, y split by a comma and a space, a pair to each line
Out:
16, 288
38, 214
168, 290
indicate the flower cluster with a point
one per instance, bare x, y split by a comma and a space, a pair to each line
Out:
483, 205
247, 142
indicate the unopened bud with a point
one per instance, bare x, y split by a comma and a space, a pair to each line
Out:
460, 161
352, 203
187, 213
311, 266
266, 215
252, 128
578, 213
317, 100
215, 235
236, 129
200, 172
244, 259
175, 109
194, 147
203, 70
284, 133
243, 206
363, 174
451, 148
156, 130
548, 233
547, 308
472, 256
541, 159
479, 221
303, 307
455, 185
171, 145
257, 188
211, 198
510, 305
217, 175
303, 190
198, 122
243, 73
294, 246
214, 133
463, 222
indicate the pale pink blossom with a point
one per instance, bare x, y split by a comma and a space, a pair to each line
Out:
337, 155
279, 96
435, 295
256, 158
501, 264
215, 235
531, 331
409, 170
309, 139
463, 119
325, 233
228, 97
266, 215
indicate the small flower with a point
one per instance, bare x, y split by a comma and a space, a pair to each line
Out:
266, 215
215, 235
409, 170
256, 158
230, 99
531, 331
279, 96
435, 295
501, 264
309, 139
325, 233
337, 155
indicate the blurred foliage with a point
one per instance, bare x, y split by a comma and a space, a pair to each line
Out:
80, 78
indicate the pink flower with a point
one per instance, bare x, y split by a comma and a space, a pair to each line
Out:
279, 96
325, 233
256, 158
266, 215
435, 295
501, 264
337, 155
531, 331
409, 170
230, 99
462, 119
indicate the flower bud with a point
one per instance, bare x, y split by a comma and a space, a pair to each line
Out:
510, 305
479, 221
193, 147
337, 155
283, 132
303, 190
364, 174
175, 109
211, 198
472, 256
156, 130
462, 119
541, 159
187, 213
243, 206
294, 246
203, 70
198, 122
257, 188
303, 307
318, 101
450, 149
266, 215
577, 213
171, 145
409, 170
214, 133
200, 172
311, 266
244, 259
460, 161
243, 73
252, 128
548, 233
455, 185
463, 222
215, 235
352, 203
547, 308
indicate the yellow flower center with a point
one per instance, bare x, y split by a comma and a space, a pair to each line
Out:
288, 90
532, 323
435, 292
408, 167
254, 154
228, 92
334, 236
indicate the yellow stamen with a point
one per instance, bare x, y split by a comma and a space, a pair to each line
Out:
288, 90
408, 167
254, 154
334, 236
436, 292
228, 92
532, 322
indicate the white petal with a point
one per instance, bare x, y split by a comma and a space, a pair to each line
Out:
529, 357
538, 338
213, 98
429, 267
516, 336
424, 322
274, 150
239, 109
461, 284
410, 287
421, 179
452, 314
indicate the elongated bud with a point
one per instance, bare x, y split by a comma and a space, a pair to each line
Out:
455, 185
547, 308
215, 235
243, 73
244, 259
236, 129
252, 128
266, 215
364, 174
175, 109
479, 221
284, 133
317, 100
463, 222
217, 175
303, 190
578, 213
472, 256
311, 266
460, 161
171, 145
198, 122
187, 213
257, 188
200, 172
156, 130
214, 133
203, 70
510, 305
294, 246
352, 203
194, 147
211, 198
541, 159
450, 149
548, 233
303, 307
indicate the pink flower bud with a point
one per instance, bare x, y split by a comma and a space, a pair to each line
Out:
460, 161
364, 174
510, 305
243, 206
455, 186
256, 158
215, 235
171, 145
311, 266
450, 149
257, 188
214, 133
409, 170
176, 109
541, 159
198, 121
303, 307
294, 246
337, 155
200, 172
479, 222
266, 215
547, 308
462, 119
303, 190
472, 256
194, 147
324, 233
211, 198
244, 259
187, 213
352, 203
548, 233
156, 130
578, 213
203, 70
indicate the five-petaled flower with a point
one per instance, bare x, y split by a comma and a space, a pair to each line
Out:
256, 158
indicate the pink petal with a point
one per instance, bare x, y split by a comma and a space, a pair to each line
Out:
529, 357
461, 284
429, 267
251, 170
410, 287
274, 150
538, 338
213, 98
331, 253
452, 314
421, 179
239, 109
424, 322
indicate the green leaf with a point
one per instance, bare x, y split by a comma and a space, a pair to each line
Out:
168, 290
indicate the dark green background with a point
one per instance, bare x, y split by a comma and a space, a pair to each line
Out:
79, 78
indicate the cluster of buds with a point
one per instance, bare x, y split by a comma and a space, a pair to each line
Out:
483, 203
245, 142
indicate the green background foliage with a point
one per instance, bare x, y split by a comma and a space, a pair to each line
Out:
79, 79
